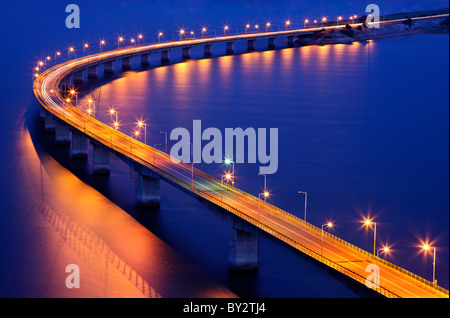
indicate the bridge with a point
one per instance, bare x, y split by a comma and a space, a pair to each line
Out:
248, 216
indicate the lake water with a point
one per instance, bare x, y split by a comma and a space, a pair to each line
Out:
363, 129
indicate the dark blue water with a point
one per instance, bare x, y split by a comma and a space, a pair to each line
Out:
363, 128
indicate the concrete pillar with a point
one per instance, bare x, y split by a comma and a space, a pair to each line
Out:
109, 67
148, 191
186, 53
290, 40
208, 50
271, 43
78, 77
42, 114
145, 59
229, 49
250, 45
243, 250
126, 63
79, 146
93, 71
165, 56
65, 84
101, 160
62, 133
50, 122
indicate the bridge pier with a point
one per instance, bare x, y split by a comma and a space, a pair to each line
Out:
79, 146
50, 122
93, 71
65, 84
108, 67
101, 160
145, 59
243, 250
271, 43
165, 56
229, 48
208, 50
126, 63
148, 191
186, 53
290, 41
250, 45
78, 77
62, 133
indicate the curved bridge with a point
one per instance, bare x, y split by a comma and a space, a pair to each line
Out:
248, 215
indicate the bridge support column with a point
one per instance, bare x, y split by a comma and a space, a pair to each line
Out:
79, 143
50, 122
250, 45
145, 59
126, 63
93, 71
78, 77
65, 84
243, 250
229, 48
62, 133
108, 67
271, 43
165, 56
148, 191
208, 50
101, 160
186, 53
290, 41
42, 114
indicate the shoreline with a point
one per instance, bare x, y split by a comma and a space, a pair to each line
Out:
351, 34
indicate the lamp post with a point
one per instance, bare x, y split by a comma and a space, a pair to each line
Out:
143, 124
119, 40
385, 250
154, 153
73, 92
287, 23
339, 19
225, 29
181, 32
329, 225
69, 51
265, 183
268, 25
368, 222
136, 134
113, 112
306, 201
228, 177
203, 31
102, 44
305, 23
140, 37
165, 134
227, 162
427, 247
160, 34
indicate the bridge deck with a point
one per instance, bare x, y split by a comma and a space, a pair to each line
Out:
337, 254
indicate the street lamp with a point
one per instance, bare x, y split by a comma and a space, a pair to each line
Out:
228, 161
268, 24
385, 250
228, 177
140, 37
287, 23
225, 29
305, 23
120, 40
102, 44
73, 92
85, 48
69, 51
324, 20
329, 225
266, 195
247, 26
113, 112
132, 41
192, 33
339, 19
203, 31
257, 26
182, 31
306, 200
368, 223
165, 133
141, 124
426, 248
265, 182
57, 54
160, 34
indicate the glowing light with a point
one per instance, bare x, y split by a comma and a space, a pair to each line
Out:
58, 53
86, 45
247, 26
48, 58
160, 34
339, 18
324, 19
41, 63
203, 29
228, 176
140, 36
288, 22
89, 100
132, 40
116, 125
386, 249
266, 194
68, 100
226, 28
306, 21
192, 32
315, 21
367, 222
36, 69
329, 224
182, 31
426, 247
256, 26
268, 24
102, 42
